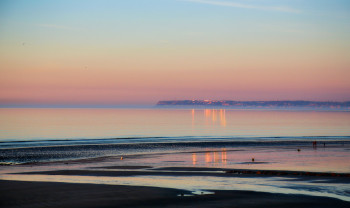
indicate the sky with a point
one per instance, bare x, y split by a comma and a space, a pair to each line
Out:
137, 52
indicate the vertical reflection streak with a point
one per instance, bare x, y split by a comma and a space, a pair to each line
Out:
192, 117
224, 156
212, 114
194, 158
222, 117
212, 157
208, 157
216, 157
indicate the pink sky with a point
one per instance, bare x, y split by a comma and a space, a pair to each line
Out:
249, 53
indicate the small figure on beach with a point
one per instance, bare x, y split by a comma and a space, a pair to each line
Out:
314, 144
298, 150
121, 158
253, 159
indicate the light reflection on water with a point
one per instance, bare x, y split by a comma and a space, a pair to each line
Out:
332, 159
213, 116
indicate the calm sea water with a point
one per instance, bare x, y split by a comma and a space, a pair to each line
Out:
51, 124
51, 134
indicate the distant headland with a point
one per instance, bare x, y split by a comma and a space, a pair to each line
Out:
257, 104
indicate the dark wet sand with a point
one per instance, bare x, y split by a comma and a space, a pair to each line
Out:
49, 194
117, 171
53, 194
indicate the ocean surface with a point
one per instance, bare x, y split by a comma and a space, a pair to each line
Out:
49, 134
93, 139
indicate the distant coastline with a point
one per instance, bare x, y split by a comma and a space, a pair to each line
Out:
257, 104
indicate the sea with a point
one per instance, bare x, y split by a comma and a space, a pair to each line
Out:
55, 134
207, 141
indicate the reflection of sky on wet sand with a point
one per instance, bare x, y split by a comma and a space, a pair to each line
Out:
198, 183
274, 158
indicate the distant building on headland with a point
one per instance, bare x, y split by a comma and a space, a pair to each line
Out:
257, 104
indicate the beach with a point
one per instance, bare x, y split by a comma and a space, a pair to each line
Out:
168, 180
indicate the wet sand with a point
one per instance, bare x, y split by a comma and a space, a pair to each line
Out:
59, 194
41, 193
50, 194
127, 171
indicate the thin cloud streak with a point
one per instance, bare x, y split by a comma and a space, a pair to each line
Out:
246, 6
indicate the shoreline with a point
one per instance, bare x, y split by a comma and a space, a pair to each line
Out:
67, 153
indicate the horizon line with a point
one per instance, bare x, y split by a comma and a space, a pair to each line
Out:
46, 105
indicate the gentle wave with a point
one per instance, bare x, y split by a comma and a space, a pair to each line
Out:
56, 150
133, 140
